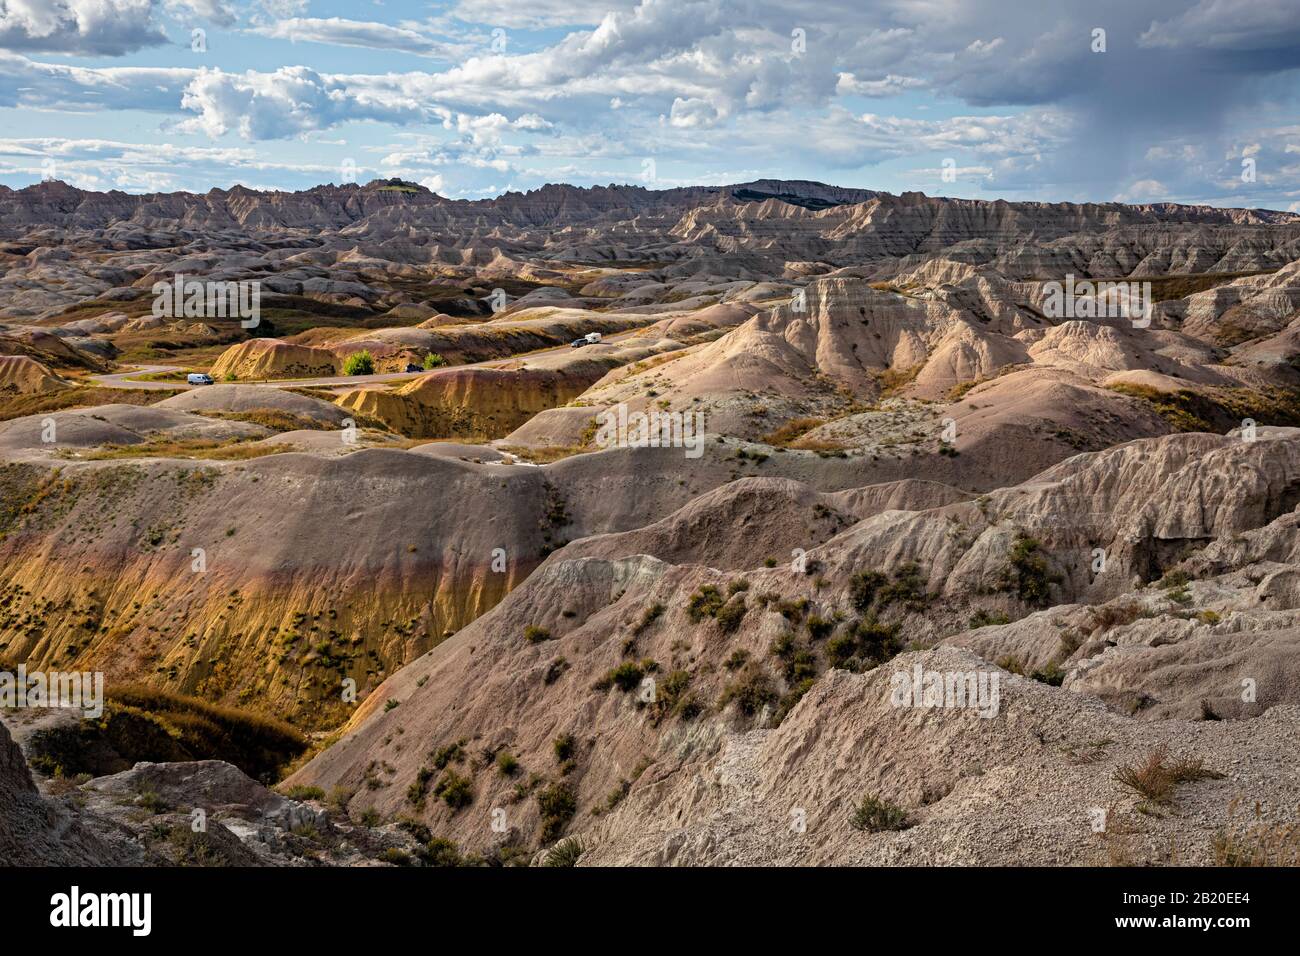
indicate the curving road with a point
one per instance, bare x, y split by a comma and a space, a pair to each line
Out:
124, 379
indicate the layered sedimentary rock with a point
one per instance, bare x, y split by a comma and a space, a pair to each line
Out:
491, 401
272, 359
900, 457
669, 777
21, 375
475, 402
381, 246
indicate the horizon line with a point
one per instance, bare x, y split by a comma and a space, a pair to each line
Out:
416, 187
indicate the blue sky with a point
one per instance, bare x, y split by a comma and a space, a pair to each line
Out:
1178, 100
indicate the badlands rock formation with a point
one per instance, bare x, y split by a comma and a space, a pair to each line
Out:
492, 400
269, 358
36, 831
21, 375
887, 451
692, 776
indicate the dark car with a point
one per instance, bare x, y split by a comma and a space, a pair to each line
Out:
412, 367
579, 343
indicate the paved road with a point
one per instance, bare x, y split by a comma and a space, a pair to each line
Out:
124, 379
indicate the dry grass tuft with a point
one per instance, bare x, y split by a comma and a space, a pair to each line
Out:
894, 380
1156, 777
1257, 842
787, 433
1115, 615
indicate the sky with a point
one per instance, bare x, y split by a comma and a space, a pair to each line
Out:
1054, 100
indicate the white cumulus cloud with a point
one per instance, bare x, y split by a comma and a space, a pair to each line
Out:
106, 27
